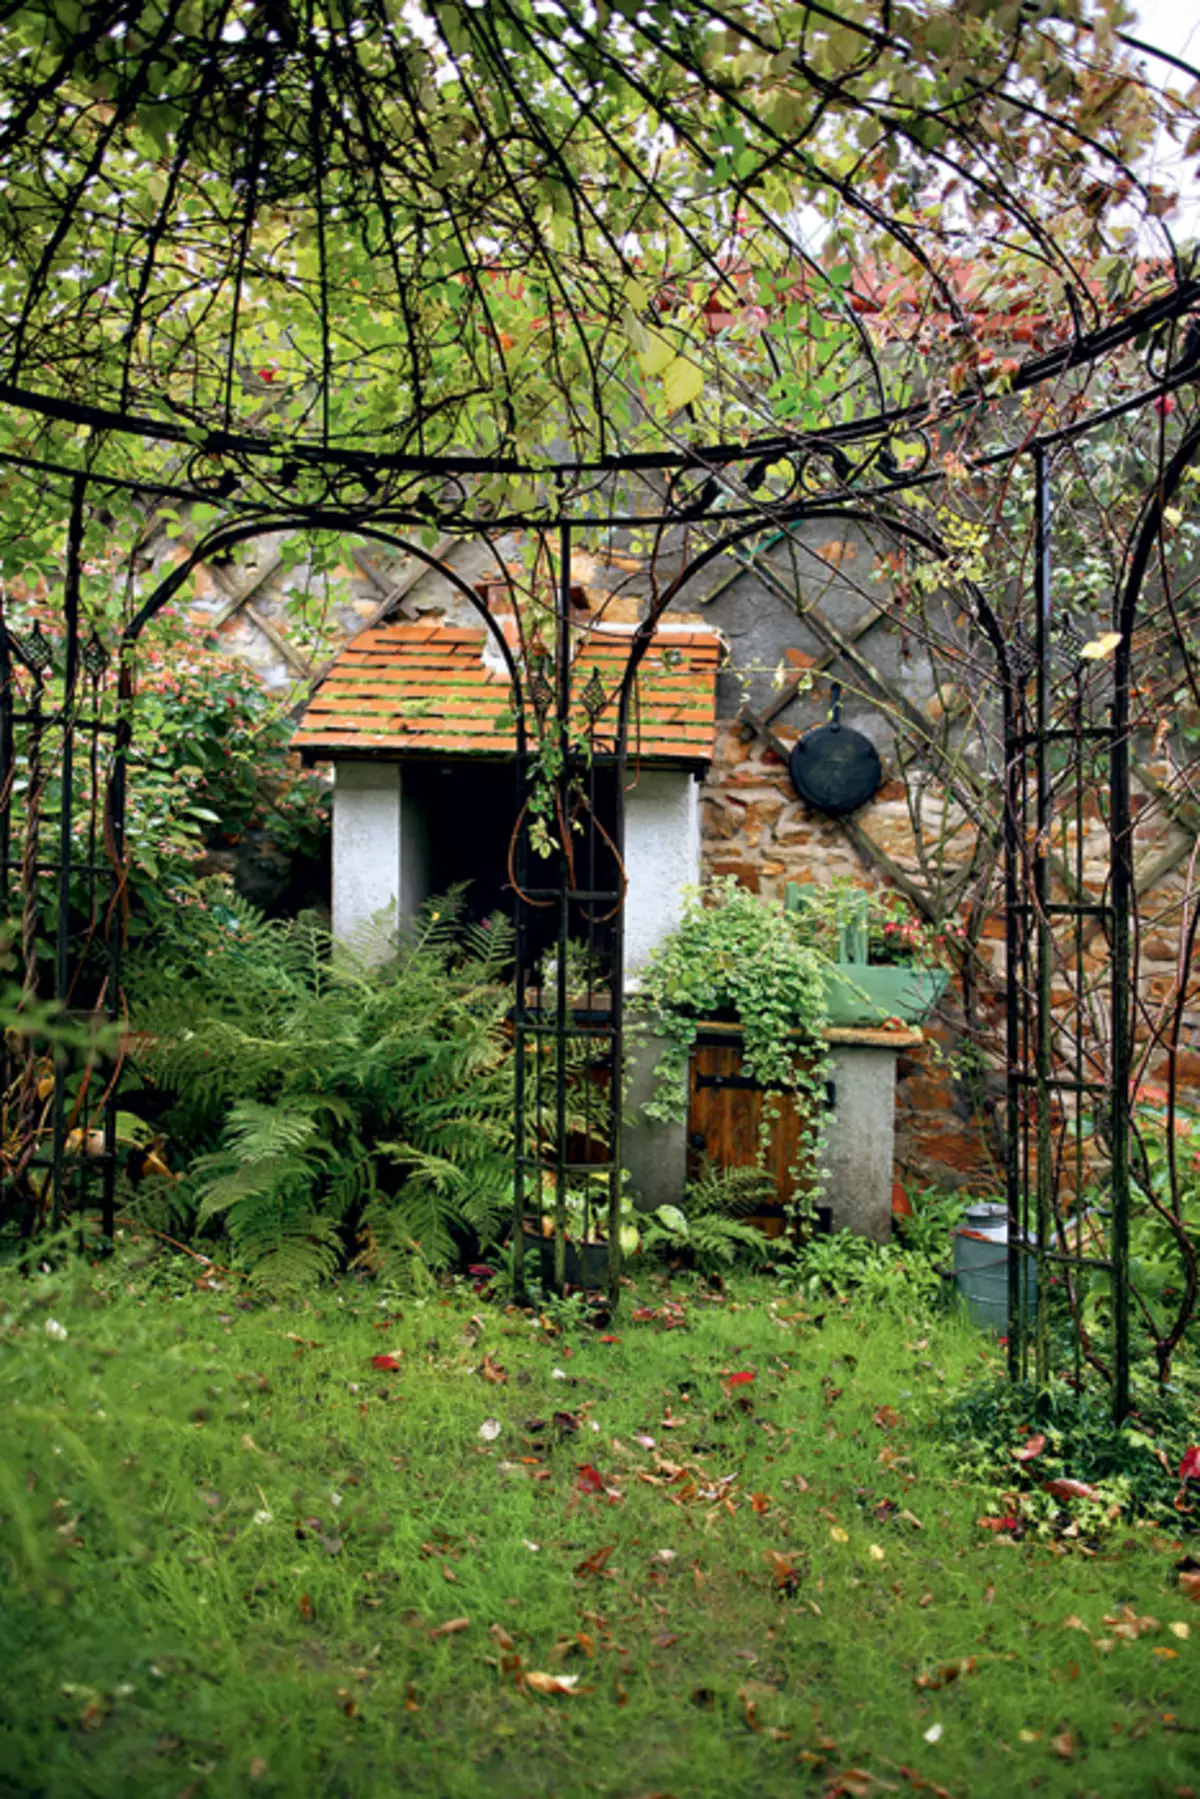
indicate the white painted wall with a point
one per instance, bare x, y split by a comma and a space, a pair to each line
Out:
662, 856
380, 856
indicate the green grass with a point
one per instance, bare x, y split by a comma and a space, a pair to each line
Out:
228, 1543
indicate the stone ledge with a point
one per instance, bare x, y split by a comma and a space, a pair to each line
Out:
864, 1037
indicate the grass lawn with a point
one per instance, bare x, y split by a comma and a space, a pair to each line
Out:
240, 1559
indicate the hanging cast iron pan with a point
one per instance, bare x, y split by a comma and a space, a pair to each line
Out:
835, 768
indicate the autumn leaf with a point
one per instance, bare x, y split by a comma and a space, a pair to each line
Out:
1030, 1449
594, 1563
1064, 1745
742, 1379
386, 1364
1070, 1489
946, 1674
761, 1502
657, 355
783, 1570
1100, 648
1009, 1521
1189, 1467
887, 1417
500, 1636
683, 381
451, 1627
590, 1480
551, 1683
493, 1372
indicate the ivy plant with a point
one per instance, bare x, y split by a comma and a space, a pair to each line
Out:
736, 955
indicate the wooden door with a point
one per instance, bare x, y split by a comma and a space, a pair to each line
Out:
725, 1115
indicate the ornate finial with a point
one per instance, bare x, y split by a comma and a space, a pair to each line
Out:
594, 697
95, 656
34, 648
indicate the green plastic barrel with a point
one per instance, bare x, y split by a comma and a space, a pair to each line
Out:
981, 1267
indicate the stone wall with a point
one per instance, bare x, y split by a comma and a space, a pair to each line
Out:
756, 829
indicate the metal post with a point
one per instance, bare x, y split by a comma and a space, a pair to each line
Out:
1044, 936
62, 970
1014, 754
1122, 889
562, 655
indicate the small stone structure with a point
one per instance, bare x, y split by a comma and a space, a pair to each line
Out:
415, 718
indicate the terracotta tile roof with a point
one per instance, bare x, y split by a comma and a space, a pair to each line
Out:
413, 689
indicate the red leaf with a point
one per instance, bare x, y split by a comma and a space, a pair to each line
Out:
1031, 1448
387, 1364
590, 1480
1189, 1467
594, 1563
609, 1339
1070, 1489
1010, 1521
738, 1380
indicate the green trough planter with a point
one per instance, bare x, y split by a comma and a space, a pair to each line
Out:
859, 993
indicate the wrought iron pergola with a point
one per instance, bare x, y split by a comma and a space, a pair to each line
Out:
250, 274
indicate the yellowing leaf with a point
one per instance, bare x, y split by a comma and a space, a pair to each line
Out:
876, 1553
1100, 648
838, 1535
682, 382
1180, 1630
657, 355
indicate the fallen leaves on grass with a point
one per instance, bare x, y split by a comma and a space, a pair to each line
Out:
743, 1378
1189, 1467
590, 1479
490, 1429
886, 1417
1030, 1449
1008, 1521
493, 1372
386, 1364
784, 1570
595, 1562
451, 1627
1064, 1745
1065, 1488
538, 1682
937, 1678
1127, 1624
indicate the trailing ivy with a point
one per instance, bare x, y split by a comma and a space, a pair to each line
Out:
735, 955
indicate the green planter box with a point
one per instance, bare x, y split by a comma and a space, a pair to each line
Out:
862, 994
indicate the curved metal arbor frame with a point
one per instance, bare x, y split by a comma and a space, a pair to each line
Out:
208, 177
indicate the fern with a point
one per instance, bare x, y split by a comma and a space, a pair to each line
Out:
330, 1111
709, 1225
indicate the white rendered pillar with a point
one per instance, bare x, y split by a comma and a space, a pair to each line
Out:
662, 857
366, 856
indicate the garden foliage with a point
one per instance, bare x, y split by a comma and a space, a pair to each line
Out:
324, 1110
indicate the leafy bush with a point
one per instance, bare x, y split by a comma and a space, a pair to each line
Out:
209, 762
327, 1111
910, 1270
1005, 1433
